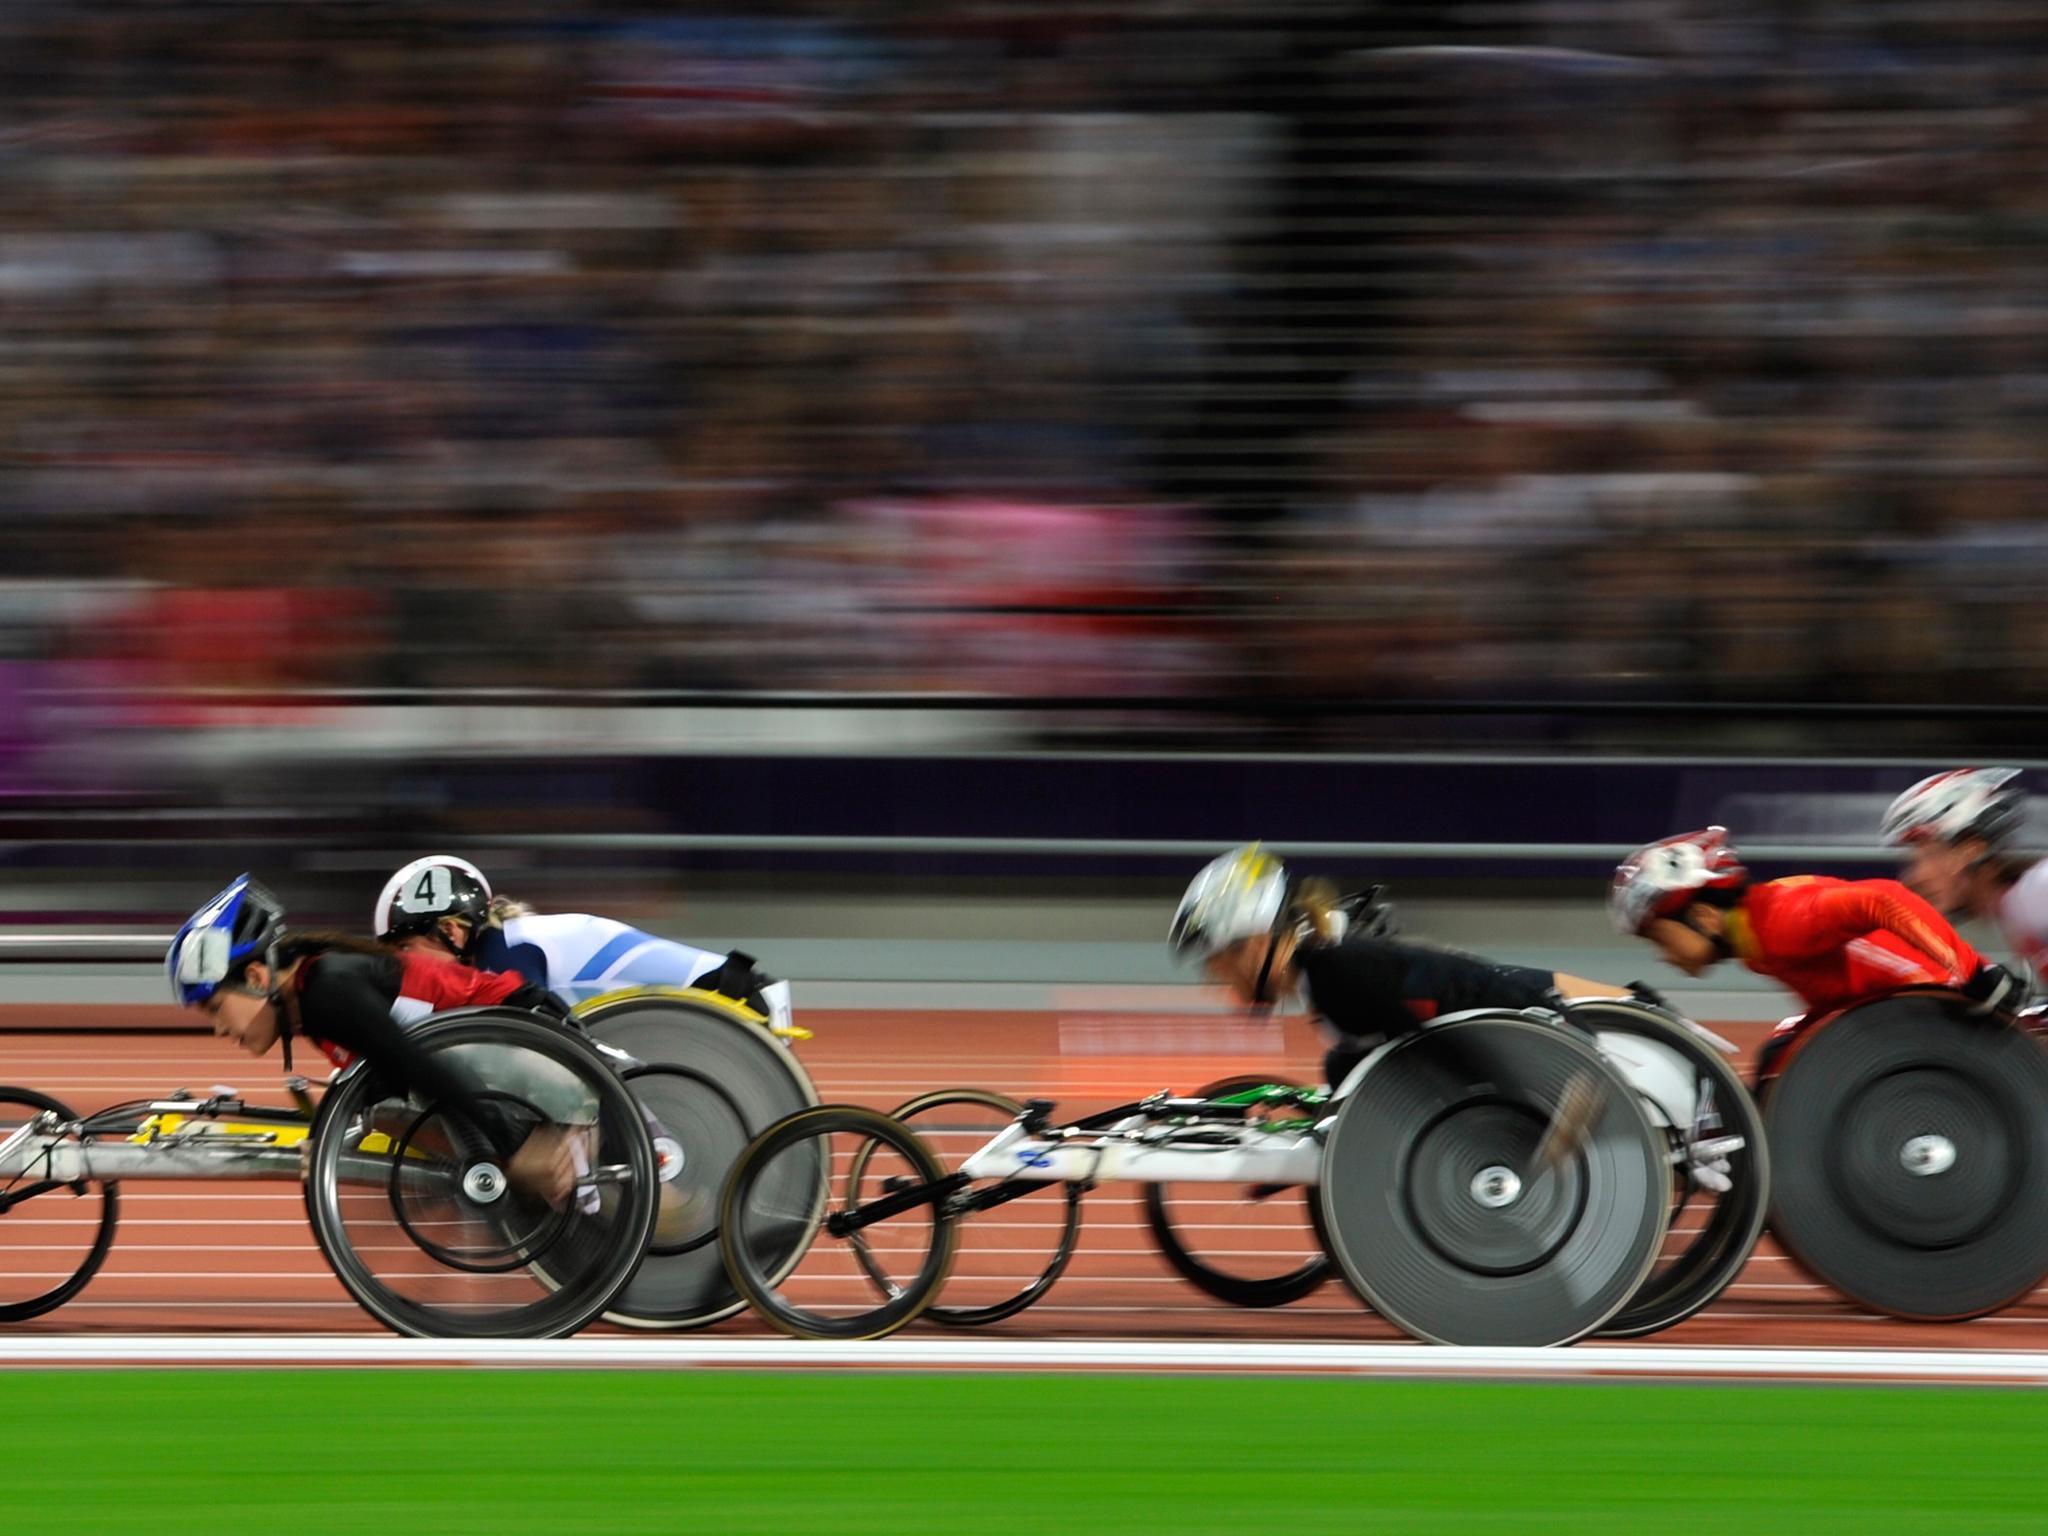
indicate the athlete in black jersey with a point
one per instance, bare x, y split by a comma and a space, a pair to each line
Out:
256, 985
1265, 936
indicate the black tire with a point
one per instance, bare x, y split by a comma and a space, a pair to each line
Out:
571, 1261
95, 1230
727, 1045
1710, 1237
796, 1154
1447, 1217
1860, 1121
1276, 1290
1069, 1231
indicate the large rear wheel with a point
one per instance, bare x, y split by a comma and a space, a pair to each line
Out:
1692, 1095
415, 1205
715, 1077
1492, 1182
1910, 1143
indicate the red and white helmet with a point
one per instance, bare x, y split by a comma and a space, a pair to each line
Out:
1662, 878
1963, 802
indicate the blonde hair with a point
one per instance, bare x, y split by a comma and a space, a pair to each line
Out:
1313, 904
503, 909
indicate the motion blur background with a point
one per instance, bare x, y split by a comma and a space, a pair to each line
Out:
925, 450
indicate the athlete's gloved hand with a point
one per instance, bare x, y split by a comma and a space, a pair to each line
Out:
1717, 1175
1993, 988
1643, 992
1707, 1163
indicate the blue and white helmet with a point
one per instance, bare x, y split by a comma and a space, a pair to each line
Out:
243, 923
1234, 898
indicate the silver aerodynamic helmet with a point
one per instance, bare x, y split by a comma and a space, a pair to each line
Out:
1236, 897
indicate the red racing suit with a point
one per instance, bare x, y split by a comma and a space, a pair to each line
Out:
1837, 942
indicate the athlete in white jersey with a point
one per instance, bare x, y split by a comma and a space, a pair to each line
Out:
1959, 829
444, 903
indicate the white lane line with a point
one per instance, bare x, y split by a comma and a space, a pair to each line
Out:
2029, 1367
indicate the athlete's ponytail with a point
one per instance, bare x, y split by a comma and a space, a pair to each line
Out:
1312, 907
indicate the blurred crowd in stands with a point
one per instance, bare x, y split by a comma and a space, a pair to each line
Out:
1653, 349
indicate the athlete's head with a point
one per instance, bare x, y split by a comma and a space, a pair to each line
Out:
1230, 918
223, 963
1958, 830
438, 902
1677, 892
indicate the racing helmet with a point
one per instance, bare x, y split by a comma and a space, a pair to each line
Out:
417, 897
240, 925
1963, 802
1662, 878
1236, 897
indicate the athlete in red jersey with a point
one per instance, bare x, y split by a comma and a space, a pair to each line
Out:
1834, 942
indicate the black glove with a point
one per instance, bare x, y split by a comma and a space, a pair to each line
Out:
739, 979
1993, 989
1643, 992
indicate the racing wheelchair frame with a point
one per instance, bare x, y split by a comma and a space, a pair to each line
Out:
1479, 1242
637, 1243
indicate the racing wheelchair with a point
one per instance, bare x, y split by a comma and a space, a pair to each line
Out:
1692, 1095
1431, 1189
411, 1205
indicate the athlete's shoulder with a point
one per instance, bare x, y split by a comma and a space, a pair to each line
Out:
332, 973
1786, 884
552, 927
1787, 892
440, 982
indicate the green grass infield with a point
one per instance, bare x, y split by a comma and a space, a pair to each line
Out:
456, 1452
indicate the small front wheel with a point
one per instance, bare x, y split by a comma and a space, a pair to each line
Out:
885, 1228
1248, 1246
54, 1241
1017, 1259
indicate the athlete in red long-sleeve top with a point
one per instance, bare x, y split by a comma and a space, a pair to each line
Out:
1834, 942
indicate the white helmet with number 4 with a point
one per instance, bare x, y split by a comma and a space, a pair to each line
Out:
422, 893
1235, 897
1963, 802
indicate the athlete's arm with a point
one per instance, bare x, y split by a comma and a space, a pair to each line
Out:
1577, 986
346, 1000
1450, 981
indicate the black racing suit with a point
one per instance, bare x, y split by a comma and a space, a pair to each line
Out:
358, 1005
1368, 990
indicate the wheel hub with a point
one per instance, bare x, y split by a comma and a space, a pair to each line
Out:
484, 1183
1926, 1156
668, 1158
1496, 1187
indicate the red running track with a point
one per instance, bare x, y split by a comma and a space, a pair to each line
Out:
212, 1258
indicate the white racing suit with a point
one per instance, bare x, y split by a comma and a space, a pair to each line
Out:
577, 957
